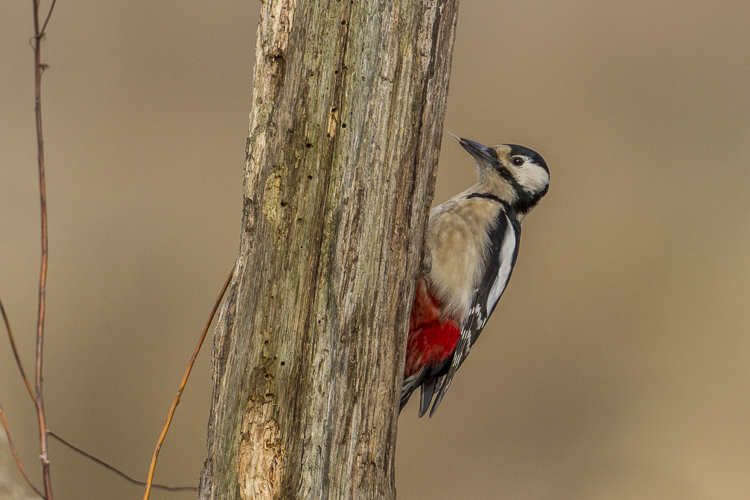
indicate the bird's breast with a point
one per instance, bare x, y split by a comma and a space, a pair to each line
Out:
458, 243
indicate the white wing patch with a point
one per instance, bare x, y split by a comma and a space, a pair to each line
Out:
506, 266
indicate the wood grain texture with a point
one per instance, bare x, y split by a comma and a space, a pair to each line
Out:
348, 105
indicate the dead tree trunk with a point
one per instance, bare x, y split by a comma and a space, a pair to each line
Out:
345, 130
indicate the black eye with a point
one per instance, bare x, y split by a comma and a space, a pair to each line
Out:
517, 161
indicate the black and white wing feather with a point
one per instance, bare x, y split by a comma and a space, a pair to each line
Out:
499, 263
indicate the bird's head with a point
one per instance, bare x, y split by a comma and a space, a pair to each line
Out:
517, 175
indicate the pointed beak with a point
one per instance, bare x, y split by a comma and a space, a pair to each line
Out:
478, 151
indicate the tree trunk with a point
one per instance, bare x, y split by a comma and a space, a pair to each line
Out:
345, 131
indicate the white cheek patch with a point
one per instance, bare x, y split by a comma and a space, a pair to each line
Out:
532, 177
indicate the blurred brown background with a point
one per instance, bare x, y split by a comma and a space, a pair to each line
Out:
617, 365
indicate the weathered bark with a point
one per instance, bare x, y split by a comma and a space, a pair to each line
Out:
345, 130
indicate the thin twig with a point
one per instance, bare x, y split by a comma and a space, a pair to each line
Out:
49, 14
15, 455
43, 272
60, 438
15, 352
115, 469
176, 401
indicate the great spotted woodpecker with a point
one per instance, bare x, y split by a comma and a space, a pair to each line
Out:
470, 250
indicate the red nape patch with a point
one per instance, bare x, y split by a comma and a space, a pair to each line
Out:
432, 337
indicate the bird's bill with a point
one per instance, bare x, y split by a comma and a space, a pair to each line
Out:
478, 151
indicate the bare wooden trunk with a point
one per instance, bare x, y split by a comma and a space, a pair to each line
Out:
345, 130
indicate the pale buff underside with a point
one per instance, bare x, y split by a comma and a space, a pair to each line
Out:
456, 248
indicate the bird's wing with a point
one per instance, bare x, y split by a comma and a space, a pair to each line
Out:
497, 270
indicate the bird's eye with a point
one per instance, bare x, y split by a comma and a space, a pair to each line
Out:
517, 161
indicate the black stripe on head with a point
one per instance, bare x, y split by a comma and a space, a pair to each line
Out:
527, 200
515, 149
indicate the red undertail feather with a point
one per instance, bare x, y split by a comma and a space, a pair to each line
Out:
432, 336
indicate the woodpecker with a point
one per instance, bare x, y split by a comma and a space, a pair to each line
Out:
470, 250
